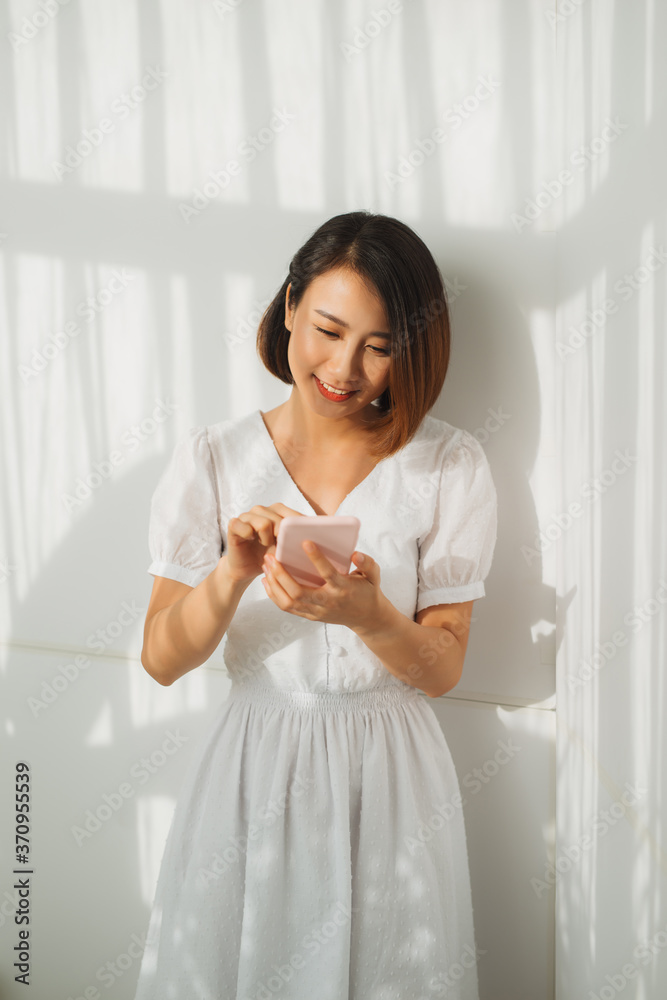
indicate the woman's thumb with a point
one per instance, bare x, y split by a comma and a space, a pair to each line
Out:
363, 562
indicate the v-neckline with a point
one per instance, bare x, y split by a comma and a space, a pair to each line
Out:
304, 498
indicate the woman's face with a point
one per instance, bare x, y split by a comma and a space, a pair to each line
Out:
336, 337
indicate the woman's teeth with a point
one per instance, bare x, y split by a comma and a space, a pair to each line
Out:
339, 392
329, 392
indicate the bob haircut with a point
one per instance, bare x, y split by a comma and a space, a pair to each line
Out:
397, 266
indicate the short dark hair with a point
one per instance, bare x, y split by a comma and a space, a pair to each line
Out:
397, 264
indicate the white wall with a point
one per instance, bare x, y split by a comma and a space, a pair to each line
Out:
612, 566
180, 333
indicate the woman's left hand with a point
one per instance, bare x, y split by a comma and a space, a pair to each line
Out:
353, 599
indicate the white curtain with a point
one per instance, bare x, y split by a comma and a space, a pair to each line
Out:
609, 524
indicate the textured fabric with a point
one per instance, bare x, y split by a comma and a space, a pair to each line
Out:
318, 845
184, 533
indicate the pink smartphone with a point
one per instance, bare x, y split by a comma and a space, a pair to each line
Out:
336, 537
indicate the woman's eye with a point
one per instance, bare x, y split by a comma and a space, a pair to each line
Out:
330, 333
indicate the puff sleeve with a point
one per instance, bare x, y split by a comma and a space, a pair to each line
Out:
455, 555
184, 535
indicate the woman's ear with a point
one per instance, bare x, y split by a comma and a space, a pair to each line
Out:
288, 310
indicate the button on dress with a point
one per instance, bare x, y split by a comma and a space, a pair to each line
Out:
317, 849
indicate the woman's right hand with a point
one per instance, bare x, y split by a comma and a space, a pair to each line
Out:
250, 536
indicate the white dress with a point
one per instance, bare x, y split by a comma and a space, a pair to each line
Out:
317, 849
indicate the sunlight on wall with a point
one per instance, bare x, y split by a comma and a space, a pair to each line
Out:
474, 117
154, 816
542, 629
101, 730
110, 37
541, 476
241, 309
295, 51
180, 336
648, 760
40, 376
516, 721
574, 60
319, 125
378, 126
611, 687
577, 712
650, 77
35, 140
194, 35
599, 65
150, 702
406, 159
647, 359
546, 124
99, 319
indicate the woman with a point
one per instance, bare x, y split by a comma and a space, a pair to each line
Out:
318, 850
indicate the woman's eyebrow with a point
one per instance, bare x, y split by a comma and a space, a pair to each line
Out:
341, 322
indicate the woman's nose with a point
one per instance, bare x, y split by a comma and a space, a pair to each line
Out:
346, 365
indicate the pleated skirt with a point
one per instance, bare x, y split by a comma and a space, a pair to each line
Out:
317, 852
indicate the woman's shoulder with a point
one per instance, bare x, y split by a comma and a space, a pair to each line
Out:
235, 433
438, 442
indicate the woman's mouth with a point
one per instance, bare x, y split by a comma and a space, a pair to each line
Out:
331, 394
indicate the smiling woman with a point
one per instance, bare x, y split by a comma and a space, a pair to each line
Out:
291, 861
388, 304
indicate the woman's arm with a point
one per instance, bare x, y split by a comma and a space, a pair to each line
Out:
184, 625
427, 656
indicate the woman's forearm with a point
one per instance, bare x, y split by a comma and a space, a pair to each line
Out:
425, 656
184, 635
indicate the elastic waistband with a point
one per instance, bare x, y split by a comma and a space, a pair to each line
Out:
369, 700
